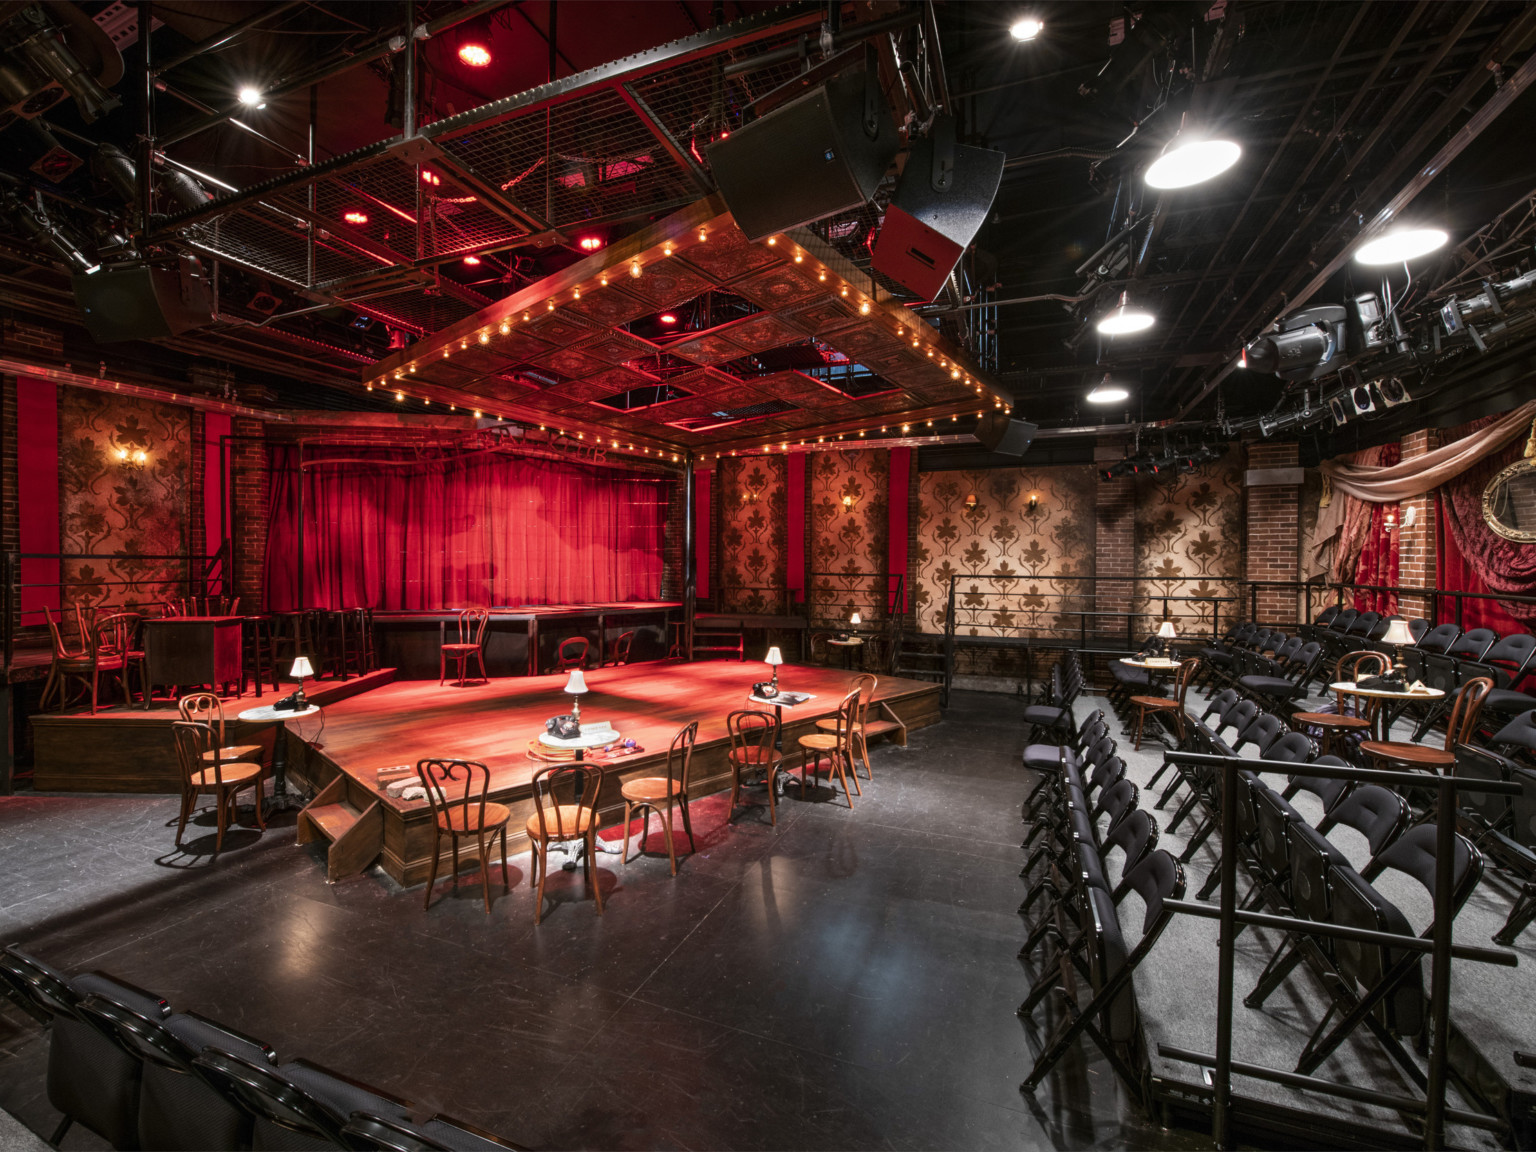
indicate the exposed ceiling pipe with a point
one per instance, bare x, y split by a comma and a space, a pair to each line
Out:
220, 39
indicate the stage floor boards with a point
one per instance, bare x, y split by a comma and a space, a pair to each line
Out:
845, 980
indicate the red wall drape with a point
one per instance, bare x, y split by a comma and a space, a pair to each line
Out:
1473, 558
383, 530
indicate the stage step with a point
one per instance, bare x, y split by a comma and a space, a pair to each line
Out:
709, 642
355, 835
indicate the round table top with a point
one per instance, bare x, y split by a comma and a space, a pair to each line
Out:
1155, 663
1331, 720
267, 712
851, 642
1380, 694
587, 738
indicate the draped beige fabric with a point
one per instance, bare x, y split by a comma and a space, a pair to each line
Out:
1403, 481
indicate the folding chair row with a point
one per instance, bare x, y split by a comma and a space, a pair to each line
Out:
1052, 710
1504, 826
124, 1065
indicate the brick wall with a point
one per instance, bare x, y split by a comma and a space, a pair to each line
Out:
10, 521
248, 527
1416, 541
1274, 533
197, 535
1114, 551
23, 338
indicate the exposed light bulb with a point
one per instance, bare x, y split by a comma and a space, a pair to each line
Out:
1123, 319
1026, 29
1189, 162
1401, 246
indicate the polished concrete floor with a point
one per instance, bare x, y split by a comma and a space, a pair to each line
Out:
846, 980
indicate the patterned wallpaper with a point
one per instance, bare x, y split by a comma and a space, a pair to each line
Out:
1189, 540
117, 507
1002, 536
848, 539
752, 526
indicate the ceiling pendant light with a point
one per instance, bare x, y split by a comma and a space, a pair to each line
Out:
1186, 162
1123, 319
1106, 391
1400, 246
1026, 28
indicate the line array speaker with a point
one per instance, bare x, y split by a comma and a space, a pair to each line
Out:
143, 302
1001, 433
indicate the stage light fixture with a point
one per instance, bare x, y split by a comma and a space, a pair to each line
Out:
472, 261
1187, 162
475, 55
589, 243
667, 318
1106, 391
1401, 246
1026, 29
355, 217
252, 97
1125, 319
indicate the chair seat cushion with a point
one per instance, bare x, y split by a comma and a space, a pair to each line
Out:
1507, 701
460, 649
1047, 757
821, 741
1270, 686
1125, 674
572, 820
235, 773
1216, 656
234, 752
1045, 714
458, 820
650, 789
341, 1097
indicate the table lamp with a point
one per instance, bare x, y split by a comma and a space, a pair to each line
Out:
301, 671
854, 620
576, 687
1398, 633
1166, 632
773, 660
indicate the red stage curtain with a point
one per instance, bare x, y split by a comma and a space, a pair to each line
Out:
1473, 559
486, 529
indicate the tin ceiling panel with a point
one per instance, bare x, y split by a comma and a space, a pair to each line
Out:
777, 288
611, 381
618, 347
761, 332
571, 362
710, 347
503, 389
559, 328
445, 372
609, 306
667, 283
822, 315
727, 255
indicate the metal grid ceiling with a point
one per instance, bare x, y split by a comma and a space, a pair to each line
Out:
269, 242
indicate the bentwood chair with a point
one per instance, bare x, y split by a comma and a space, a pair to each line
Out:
1458, 730
205, 708
864, 727
658, 793
469, 645
1172, 706
837, 746
755, 740
572, 653
564, 811
467, 814
223, 780
620, 654
85, 664
1354, 715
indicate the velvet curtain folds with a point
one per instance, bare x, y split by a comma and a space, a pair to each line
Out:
1472, 558
385, 530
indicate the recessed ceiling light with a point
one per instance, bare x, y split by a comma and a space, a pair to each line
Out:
667, 318
251, 97
471, 260
590, 243
355, 217
1108, 392
1026, 28
1187, 162
1401, 246
475, 55
1125, 319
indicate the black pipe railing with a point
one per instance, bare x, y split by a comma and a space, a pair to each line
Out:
1440, 945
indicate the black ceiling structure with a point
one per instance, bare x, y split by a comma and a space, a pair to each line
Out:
375, 190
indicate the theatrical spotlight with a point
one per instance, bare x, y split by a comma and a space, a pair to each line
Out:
39, 53
1301, 347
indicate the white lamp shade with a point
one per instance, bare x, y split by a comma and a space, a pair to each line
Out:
577, 684
1398, 632
854, 619
301, 669
773, 657
1166, 630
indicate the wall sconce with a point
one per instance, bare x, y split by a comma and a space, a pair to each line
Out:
970, 502
749, 496
1391, 523
131, 457
1034, 503
848, 502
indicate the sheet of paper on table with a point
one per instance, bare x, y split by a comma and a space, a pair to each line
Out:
602, 732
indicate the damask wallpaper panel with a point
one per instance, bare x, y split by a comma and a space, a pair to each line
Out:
753, 533
849, 542
1189, 542
121, 507
1012, 558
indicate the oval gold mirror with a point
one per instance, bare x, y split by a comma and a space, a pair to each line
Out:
1509, 502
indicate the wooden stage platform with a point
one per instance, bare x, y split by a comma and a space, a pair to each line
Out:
401, 723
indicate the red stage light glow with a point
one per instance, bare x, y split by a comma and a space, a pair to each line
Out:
355, 217
430, 177
667, 318
471, 260
475, 55
590, 243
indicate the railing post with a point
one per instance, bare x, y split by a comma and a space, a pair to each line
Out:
12, 566
1221, 1117
1440, 971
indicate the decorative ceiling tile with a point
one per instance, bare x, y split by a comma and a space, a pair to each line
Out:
761, 332
708, 348
866, 338
572, 362
666, 283
618, 347
820, 399
579, 390
507, 389
703, 381
788, 384
444, 372
678, 409
501, 354
822, 315
609, 305
612, 380
778, 288
548, 401
558, 327
728, 254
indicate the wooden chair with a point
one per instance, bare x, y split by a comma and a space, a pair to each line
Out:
258, 655
864, 727
207, 709
86, 664
1355, 716
1173, 705
755, 748
467, 815
658, 793
1458, 730
621, 649
471, 643
572, 653
223, 780
837, 745
557, 821
117, 634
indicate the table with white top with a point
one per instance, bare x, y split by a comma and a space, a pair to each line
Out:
1380, 722
267, 714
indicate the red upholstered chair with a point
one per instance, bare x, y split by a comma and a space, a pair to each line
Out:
469, 645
